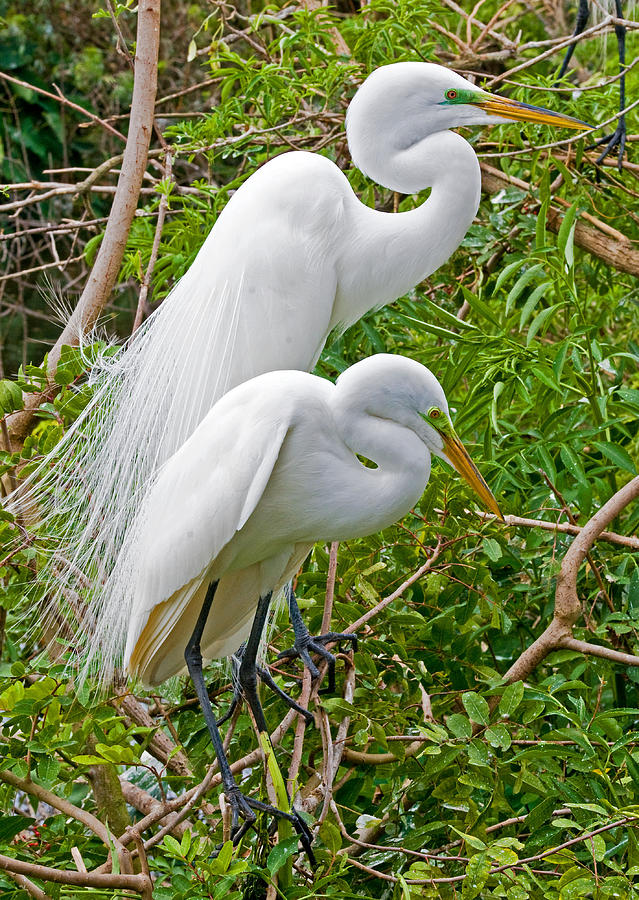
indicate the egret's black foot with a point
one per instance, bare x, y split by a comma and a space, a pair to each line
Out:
613, 141
265, 677
243, 807
305, 644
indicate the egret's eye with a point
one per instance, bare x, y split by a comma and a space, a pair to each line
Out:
434, 413
451, 94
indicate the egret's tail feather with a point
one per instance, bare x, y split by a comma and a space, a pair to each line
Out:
148, 397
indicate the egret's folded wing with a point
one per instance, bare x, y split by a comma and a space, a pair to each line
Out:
204, 494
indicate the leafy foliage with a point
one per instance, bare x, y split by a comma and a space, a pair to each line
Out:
460, 785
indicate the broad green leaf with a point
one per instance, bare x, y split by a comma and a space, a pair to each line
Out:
283, 850
616, 454
459, 725
476, 876
476, 707
511, 698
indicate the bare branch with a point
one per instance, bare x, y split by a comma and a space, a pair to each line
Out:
567, 606
63, 100
629, 541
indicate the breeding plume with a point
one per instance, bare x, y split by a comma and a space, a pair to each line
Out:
293, 255
272, 469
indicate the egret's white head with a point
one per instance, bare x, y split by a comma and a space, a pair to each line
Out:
402, 103
399, 389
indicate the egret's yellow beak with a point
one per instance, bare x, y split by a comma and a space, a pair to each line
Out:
458, 456
523, 112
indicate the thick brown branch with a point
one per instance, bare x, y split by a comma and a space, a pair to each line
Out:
567, 606
69, 809
617, 252
140, 883
107, 265
143, 801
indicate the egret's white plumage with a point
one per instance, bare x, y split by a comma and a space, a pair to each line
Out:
270, 470
293, 255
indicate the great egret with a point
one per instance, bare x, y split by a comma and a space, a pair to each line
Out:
293, 256
272, 469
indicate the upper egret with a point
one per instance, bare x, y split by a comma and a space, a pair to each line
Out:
272, 469
293, 255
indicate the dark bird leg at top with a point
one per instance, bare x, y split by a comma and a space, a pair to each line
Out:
241, 805
618, 137
583, 13
305, 643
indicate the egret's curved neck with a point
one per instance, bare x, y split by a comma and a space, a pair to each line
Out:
391, 253
402, 458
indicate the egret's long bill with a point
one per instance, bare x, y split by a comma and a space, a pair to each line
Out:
458, 456
514, 110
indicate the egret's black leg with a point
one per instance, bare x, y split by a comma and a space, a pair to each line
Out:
248, 674
618, 137
583, 12
265, 677
240, 805
305, 643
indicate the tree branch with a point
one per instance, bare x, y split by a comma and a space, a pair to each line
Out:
567, 606
619, 253
629, 541
140, 883
107, 265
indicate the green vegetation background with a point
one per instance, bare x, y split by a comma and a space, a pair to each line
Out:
543, 377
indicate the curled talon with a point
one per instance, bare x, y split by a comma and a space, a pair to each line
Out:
244, 807
305, 644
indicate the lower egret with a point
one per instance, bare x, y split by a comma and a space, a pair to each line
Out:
272, 469
293, 256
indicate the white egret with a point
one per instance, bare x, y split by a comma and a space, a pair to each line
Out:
272, 469
294, 255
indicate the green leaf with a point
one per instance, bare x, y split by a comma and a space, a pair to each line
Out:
511, 698
459, 725
222, 861
492, 548
10, 826
10, 397
172, 845
331, 836
616, 454
540, 813
476, 707
520, 285
566, 234
540, 320
507, 271
532, 302
498, 736
476, 876
573, 463
472, 841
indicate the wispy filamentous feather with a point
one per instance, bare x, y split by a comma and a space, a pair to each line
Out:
148, 398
